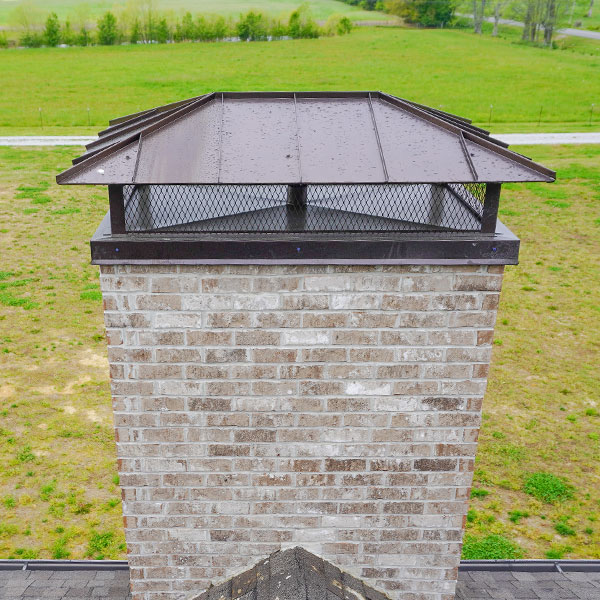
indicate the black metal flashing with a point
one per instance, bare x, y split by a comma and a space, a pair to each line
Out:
522, 566
64, 565
442, 248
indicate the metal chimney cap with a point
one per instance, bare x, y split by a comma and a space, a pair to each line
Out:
256, 138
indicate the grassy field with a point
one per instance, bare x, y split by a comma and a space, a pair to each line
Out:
321, 9
451, 69
58, 489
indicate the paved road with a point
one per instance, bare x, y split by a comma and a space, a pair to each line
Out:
509, 138
45, 140
584, 33
549, 138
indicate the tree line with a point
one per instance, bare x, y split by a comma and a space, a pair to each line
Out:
541, 18
150, 26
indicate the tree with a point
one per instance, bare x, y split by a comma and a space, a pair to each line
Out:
220, 28
589, 12
162, 31
148, 19
498, 6
427, 13
252, 26
68, 35
550, 21
107, 29
26, 16
81, 21
52, 30
540, 14
478, 15
136, 32
186, 31
83, 37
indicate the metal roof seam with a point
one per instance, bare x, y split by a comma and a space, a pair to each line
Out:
300, 174
137, 158
221, 137
463, 145
381, 154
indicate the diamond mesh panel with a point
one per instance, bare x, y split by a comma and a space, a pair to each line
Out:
315, 208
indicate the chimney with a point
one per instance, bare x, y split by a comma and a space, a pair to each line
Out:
300, 292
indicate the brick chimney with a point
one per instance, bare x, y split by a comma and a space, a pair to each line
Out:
300, 291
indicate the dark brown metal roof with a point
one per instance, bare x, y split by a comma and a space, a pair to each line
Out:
293, 574
291, 138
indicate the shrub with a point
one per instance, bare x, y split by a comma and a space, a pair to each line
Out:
344, 26
31, 39
302, 25
427, 13
338, 25
490, 547
547, 487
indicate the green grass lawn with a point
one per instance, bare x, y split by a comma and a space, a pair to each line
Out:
449, 69
58, 489
321, 9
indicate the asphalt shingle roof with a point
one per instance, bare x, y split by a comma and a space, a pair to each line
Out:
113, 584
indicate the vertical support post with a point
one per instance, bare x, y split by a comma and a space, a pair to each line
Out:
490, 207
117, 209
296, 208
296, 196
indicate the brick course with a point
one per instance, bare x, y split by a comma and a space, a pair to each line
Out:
266, 406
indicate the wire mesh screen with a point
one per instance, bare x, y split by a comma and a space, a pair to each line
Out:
311, 208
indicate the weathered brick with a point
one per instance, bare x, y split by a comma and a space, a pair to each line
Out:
332, 406
345, 464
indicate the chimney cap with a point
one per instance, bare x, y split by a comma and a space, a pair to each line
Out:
255, 138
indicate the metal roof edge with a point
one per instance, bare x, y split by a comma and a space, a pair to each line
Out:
91, 160
488, 143
168, 106
137, 127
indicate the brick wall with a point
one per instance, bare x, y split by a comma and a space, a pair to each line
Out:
332, 407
